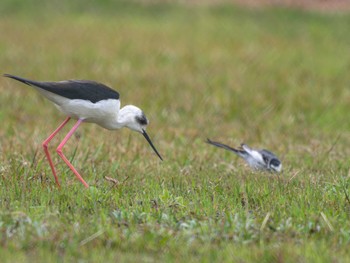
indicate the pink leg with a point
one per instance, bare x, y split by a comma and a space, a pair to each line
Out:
45, 145
60, 153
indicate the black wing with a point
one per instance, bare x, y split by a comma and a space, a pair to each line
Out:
73, 89
268, 153
270, 157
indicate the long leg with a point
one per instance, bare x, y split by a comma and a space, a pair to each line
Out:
45, 146
60, 153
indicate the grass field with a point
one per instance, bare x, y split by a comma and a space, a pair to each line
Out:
272, 78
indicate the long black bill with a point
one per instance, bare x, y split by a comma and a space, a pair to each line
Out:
150, 143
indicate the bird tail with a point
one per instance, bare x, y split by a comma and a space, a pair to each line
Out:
220, 145
23, 80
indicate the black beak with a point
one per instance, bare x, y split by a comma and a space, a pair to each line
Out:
150, 143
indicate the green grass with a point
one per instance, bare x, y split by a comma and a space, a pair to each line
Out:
273, 78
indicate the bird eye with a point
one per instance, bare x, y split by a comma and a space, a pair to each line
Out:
142, 120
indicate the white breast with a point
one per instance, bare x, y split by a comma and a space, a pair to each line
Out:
103, 113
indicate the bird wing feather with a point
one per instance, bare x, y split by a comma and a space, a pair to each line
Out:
73, 89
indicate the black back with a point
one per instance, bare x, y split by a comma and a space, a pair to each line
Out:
73, 89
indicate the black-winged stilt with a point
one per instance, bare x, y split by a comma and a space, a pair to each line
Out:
257, 159
87, 101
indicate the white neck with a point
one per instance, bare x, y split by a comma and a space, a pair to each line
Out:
123, 118
126, 118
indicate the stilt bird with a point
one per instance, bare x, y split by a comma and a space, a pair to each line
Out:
87, 101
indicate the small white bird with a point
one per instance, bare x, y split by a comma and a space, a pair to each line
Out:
257, 159
87, 101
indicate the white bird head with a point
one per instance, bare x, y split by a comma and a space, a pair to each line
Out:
134, 118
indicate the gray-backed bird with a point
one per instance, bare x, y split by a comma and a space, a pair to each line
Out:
257, 159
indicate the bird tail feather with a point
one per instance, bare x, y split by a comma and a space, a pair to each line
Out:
23, 80
224, 146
